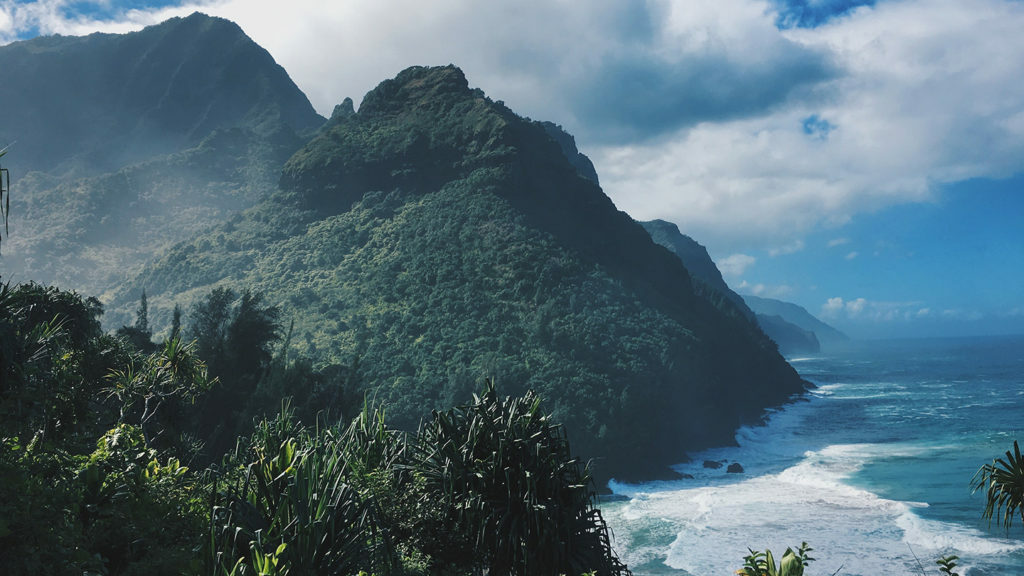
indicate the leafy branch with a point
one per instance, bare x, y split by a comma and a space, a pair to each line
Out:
1003, 483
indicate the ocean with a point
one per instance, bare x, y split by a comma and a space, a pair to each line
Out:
873, 470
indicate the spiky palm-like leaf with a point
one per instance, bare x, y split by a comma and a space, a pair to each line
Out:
1003, 483
792, 563
174, 372
506, 475
946, 565
296, 506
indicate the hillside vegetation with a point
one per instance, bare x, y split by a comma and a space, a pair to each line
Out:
436, 238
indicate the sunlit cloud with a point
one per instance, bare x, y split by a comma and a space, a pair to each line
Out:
764, 290
733, 266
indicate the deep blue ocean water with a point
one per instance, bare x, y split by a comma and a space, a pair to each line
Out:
873, 470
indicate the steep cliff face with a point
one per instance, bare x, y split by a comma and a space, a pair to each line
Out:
127, 143
440, 239
567, 143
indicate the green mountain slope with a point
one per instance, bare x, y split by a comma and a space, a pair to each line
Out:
129, 143
439, 238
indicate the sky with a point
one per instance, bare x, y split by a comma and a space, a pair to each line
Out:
864, 159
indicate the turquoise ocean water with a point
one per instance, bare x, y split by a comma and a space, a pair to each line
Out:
873, 470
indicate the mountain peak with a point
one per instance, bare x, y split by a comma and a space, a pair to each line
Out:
658, 225
416, 87
142, 94
199, 21
343, 110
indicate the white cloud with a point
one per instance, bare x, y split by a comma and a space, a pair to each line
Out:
832, 307
764, 290
855, 307
838, 242
852, 255
872, 109
961, 314
788, 248
929, 93
863, 310
735, 265
58, 17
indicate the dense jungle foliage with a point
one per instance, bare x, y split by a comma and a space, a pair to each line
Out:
110, 461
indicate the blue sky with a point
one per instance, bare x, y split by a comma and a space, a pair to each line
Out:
949, 266
864, 159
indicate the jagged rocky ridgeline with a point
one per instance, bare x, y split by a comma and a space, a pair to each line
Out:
439, 238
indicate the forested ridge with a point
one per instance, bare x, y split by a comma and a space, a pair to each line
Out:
436, 238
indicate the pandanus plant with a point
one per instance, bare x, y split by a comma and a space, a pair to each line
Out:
505, 474
294, 509
1003, 483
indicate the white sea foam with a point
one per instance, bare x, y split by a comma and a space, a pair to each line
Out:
848, 526
827, 389
931, 534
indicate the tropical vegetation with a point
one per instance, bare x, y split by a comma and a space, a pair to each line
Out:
1002, 481
109, 464
792, 562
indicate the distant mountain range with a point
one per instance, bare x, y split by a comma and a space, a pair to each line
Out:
431, 239
798, 316
793, 331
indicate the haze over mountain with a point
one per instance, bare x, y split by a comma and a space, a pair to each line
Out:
798, 316
791, 339
437, 237
139, 95
170, 129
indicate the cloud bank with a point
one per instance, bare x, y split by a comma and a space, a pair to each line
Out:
749, 123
